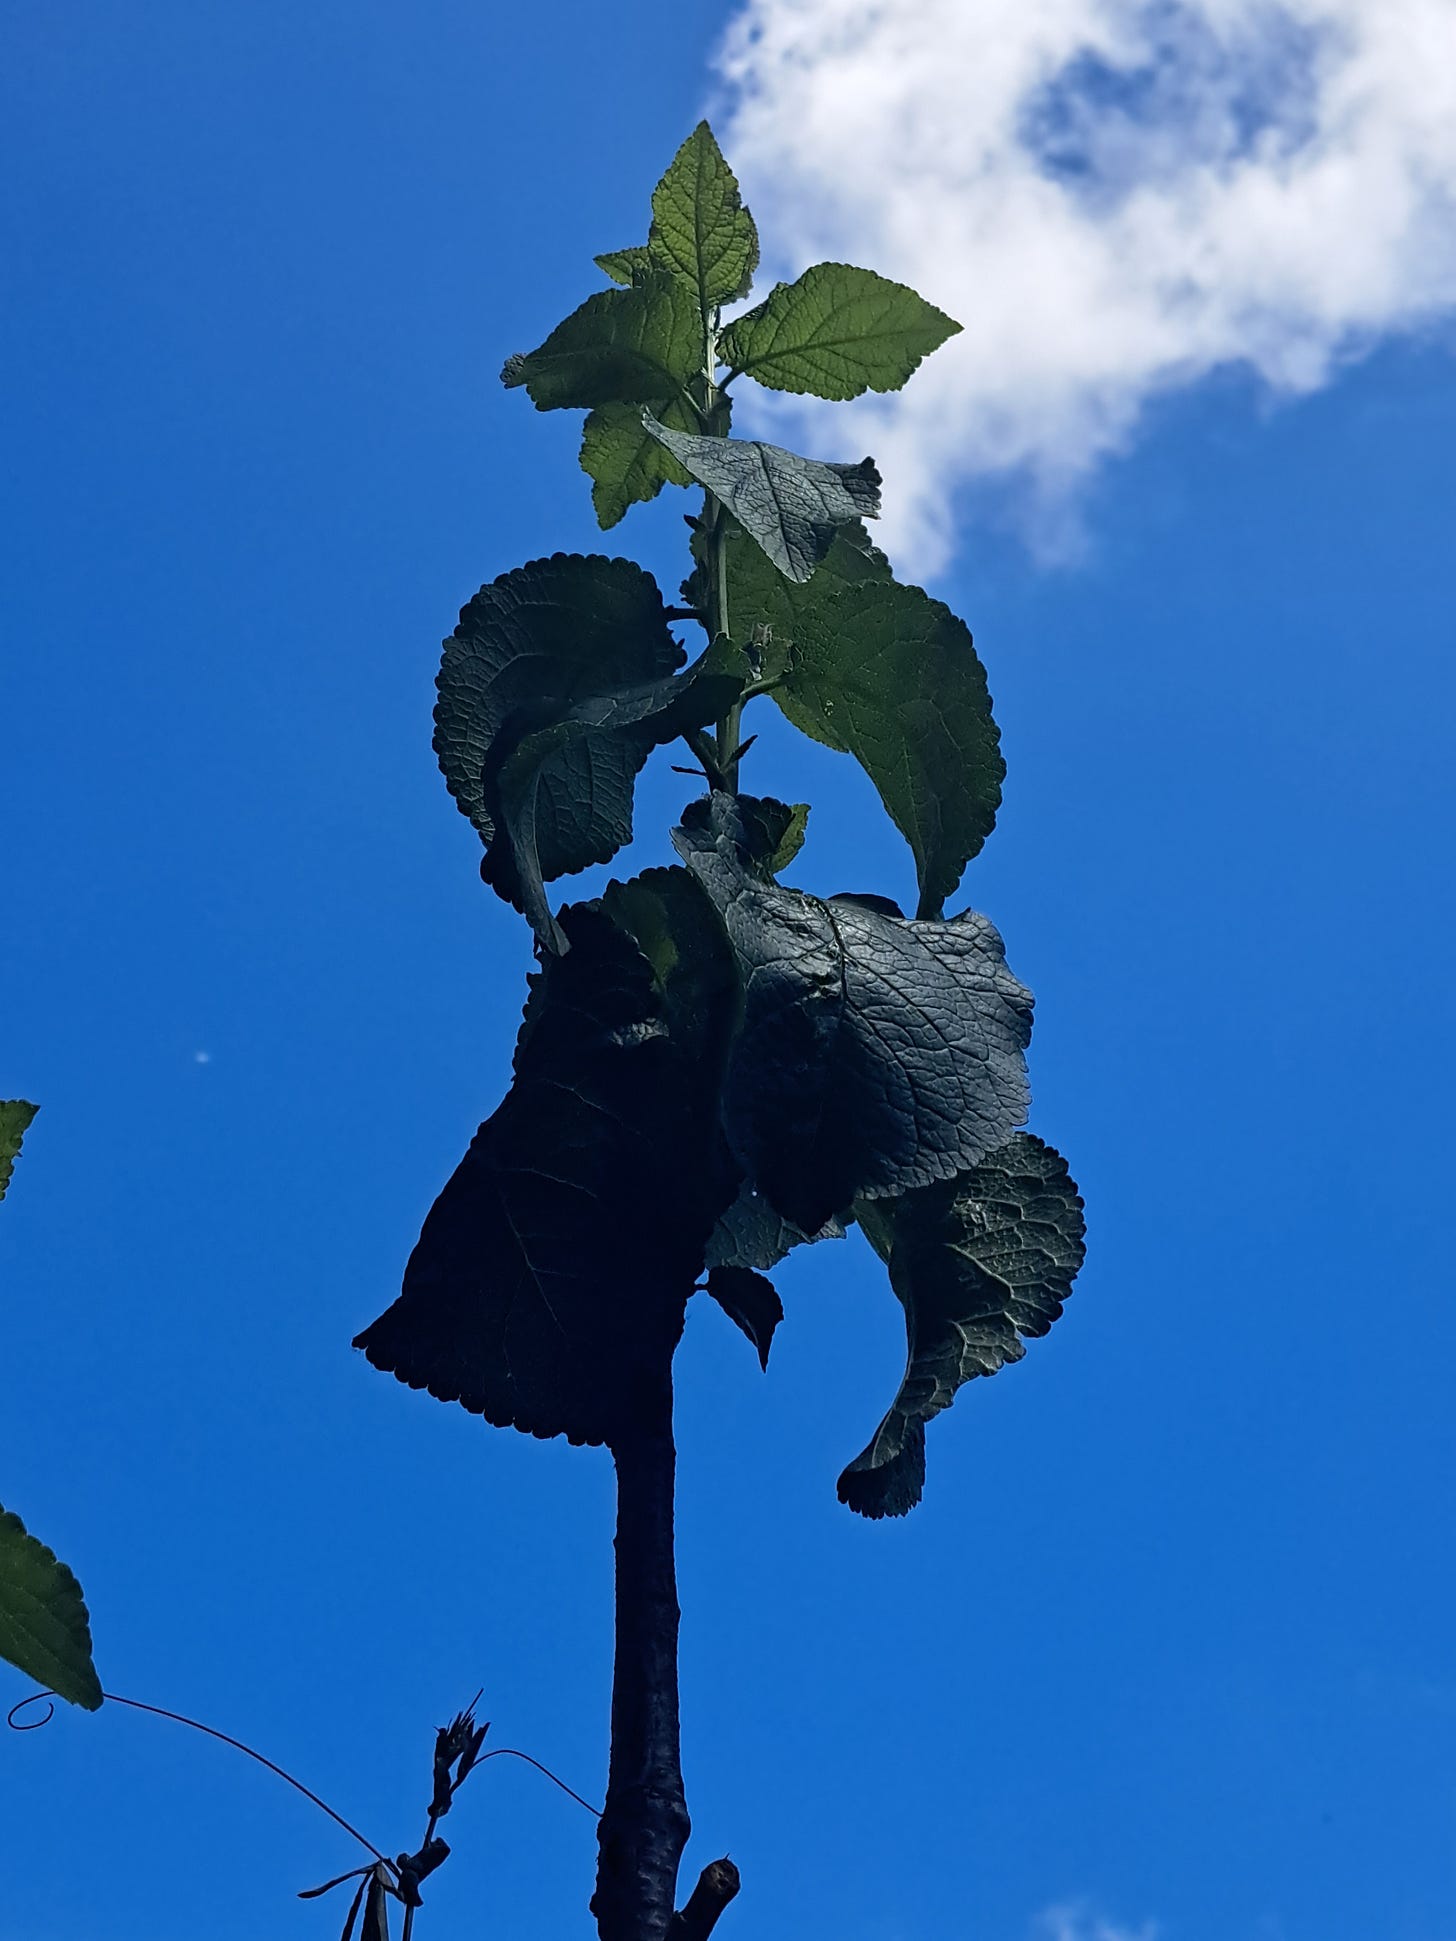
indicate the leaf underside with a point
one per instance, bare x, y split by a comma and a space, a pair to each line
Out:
978, 1263
790, 506
701, 231
875, 1055
835, 333
548, 1287
44, 1627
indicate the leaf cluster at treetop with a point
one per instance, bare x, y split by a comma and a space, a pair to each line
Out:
715, 1067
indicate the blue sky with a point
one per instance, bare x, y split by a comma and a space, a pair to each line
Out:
1167, 1649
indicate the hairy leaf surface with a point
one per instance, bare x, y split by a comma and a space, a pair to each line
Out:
626, 464
889, 675
634, 346
835, 333
701, 231
15, 1118
751, 1303
790, 506
548, 1287
978, 1264
44, 1627
875, 1055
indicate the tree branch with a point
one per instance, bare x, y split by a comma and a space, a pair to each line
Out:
644, 1825
717, 1885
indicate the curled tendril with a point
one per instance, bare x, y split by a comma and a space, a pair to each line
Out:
17, 1724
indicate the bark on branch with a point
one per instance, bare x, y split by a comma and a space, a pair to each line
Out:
717, 1884
645, 1825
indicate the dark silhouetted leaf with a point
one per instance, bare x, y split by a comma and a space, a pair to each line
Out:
538, 640
634, 346
626, 265
874, 1055
750, 1302
978, 1263
835, 333
561, 797
889, 675
353, 1914
44, 1628
751, 1234
701, 231
626, 464
790, 506
548, 1287
671, 919
15, 1117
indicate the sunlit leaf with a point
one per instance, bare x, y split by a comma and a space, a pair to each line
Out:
45, 1630
836, 332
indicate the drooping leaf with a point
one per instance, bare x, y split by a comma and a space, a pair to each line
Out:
626, 464
889, 675
634, 346
548, 1287
978, 1263
701, 231
626, 265
45, 1630
15, 1118
560, 797
353, 1914
875, 1055
790, 506
836, 332
750, 1302
541, 638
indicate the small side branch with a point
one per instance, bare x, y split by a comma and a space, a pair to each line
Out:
717, 1885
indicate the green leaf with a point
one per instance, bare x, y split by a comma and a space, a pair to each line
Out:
548, 1288
790, 506
889, 675
761, 600
626, 464
626, 265
634, 346
670, 918
978, 1263
701, 231
15, 1117
835, 333
44, 1627
535, 642
561, 797
875, 1055
750, 1302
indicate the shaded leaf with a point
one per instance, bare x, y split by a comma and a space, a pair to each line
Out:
15, 1118
788, 505
978, 1263
561, 797
535, 642
353, 1914
634, 346
874, 1055
548, 1287
762, 602
626, 265
626, 464
750, 1302
701, 231
890, 676
835, 333
672, 921
45, 1630
751, 1234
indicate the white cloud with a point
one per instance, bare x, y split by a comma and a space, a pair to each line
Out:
1075, 1923
1115, 197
